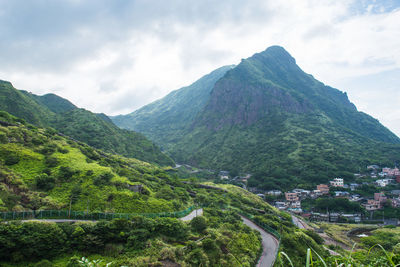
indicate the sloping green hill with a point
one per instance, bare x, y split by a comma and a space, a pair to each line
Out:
269, 118
53, 102
22, 105
94, 129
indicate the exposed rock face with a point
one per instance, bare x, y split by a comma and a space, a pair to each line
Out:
239, 103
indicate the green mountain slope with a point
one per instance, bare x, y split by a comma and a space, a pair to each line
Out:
267, 117
164, 120
53, 102
96, 130
22, 105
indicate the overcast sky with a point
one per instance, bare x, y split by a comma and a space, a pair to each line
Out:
116, 56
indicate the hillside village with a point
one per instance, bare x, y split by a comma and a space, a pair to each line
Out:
370, 193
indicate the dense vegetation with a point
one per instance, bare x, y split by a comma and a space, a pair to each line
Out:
224, 240
267, 117
43, 170
331, 205
378, 247
97, 130
39, 169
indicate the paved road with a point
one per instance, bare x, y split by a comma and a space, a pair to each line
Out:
299, 223
328, 240
188, 217
56, 220
191, 215
269, 242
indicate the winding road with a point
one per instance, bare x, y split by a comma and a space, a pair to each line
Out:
269, 242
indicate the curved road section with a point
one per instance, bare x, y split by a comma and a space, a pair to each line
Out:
191, 215
269, 242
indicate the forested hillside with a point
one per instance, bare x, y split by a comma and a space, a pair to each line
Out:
96, 130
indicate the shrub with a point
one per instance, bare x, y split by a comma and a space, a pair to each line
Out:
103, 179
51, 161
48, 149
74, 262
171, 227
11, 159
65, 172
199, 224
45, 182
3, 138
319, 240
44, 263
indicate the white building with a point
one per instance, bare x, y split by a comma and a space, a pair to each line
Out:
274, 193
337, 182
383, 182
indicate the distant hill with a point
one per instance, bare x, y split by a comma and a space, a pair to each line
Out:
96, 130
268, 117
164, 120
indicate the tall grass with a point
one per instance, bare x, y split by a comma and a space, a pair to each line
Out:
372, 258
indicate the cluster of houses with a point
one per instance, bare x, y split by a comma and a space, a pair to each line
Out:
293, 198
387, 175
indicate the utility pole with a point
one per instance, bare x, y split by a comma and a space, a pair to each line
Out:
70, 204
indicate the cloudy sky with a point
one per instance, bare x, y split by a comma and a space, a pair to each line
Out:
116, 56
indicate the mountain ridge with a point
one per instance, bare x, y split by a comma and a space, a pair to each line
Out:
96, 130
267, 116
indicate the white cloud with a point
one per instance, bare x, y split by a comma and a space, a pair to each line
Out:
114, 57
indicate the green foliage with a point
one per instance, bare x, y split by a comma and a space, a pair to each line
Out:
45, 182
317, 238
31, 240
44, 263
103, 179
337, 204
199, 224
388, 238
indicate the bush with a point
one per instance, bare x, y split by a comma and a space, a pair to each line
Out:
31, 240
65, 173
199, 224
171, 227
11, 159
45, 182
48, 149
44, 263
74, 262
51, 162
319, 240
103, 179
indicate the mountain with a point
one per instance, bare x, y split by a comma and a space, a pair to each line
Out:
269, 118
168, 117
53, 102
96, 130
